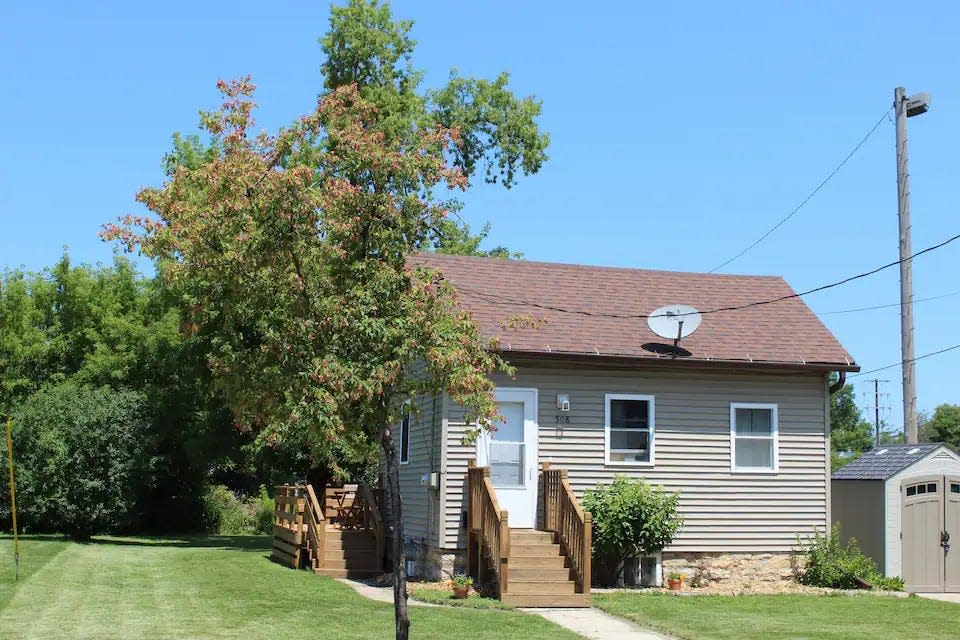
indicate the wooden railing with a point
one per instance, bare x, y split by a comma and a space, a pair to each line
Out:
288, 525
301, 519
563, 515
372, 519
489, 525
316, 525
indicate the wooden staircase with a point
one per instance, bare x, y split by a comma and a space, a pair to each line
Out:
341, 536
540, 573
530, 567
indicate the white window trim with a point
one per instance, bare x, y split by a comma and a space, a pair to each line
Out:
774, 434
403, 432
606, 428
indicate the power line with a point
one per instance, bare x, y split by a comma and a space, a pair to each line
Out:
887, 306
897, 364
495, 298
809, 197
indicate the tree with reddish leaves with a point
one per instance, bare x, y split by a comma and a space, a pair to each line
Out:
292, 251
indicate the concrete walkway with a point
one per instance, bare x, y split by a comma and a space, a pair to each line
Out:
595, 624
380, 594
942, 597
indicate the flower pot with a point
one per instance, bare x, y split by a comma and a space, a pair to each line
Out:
460, 592
674, 584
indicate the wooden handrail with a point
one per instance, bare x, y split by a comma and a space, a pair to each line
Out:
373, 519
563, 515
316, 527
489, 522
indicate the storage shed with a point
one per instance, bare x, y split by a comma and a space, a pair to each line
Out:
902, 504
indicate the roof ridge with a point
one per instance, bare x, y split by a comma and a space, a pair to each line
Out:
578, 265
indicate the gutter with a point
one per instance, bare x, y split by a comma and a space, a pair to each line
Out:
841, 380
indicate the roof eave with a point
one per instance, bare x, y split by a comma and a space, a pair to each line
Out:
556, 356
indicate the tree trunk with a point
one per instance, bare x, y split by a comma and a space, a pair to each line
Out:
392, 493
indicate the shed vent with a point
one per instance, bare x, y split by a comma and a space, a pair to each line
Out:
882, 451
913, 451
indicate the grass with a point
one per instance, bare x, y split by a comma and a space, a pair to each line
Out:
786, 617
35, 552
217, 588
445, 597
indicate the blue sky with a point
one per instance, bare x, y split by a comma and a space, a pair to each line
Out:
679, 133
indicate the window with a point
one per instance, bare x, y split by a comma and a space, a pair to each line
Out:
753, 437
912, 491
629, 429
405, 440
954, 487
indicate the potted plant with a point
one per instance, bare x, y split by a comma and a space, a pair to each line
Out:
675, 581
461, 586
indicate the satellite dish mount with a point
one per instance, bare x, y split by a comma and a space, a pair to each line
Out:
674, 322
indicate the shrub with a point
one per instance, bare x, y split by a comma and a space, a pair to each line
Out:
82, 459
263, 509
630, 519
227, 514
831, 564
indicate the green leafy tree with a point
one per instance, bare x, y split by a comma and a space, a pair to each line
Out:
944, 425
293, 253
82, 459
850, 434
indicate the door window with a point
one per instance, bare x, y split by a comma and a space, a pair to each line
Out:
507, 449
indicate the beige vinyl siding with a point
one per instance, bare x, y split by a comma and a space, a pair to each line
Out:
724, 511
421, 505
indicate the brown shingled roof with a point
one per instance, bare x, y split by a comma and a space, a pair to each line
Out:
495, 290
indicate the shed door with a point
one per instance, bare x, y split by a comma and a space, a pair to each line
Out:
951, 513
922, 518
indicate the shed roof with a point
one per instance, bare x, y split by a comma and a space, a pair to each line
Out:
600, 312
885, 461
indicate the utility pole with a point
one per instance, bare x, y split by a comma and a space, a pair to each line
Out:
904, 108
876, 411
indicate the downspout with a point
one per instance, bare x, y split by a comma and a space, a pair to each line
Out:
841, 380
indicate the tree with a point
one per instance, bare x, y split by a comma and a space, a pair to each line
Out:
293, 253
83, 459
944, 425
850, 434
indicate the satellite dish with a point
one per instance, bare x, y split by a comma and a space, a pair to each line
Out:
674, 321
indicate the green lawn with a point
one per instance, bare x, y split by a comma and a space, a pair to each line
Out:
787, 617
35, 551
220, 587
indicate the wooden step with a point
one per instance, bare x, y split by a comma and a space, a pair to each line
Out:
351, 543
348, 573
538, 587
522, 550
359, 564
524, 574
349, 554
546, 600
530, 536
538, 562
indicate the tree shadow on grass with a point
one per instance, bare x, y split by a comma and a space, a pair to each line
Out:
253, 544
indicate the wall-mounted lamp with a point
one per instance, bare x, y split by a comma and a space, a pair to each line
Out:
563, 401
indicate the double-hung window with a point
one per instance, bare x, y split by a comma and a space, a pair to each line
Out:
753, 437
629, 429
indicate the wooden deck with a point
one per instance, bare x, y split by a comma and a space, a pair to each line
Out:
342, 538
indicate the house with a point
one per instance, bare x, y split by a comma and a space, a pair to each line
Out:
738, 422
901, 503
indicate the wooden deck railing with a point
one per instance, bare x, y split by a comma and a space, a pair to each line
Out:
301, 520
288, 524
489, 524
563, 515
316, 525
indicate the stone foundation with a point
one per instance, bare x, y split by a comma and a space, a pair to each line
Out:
722, 569
432, 563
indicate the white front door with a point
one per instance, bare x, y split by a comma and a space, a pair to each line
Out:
511, 453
